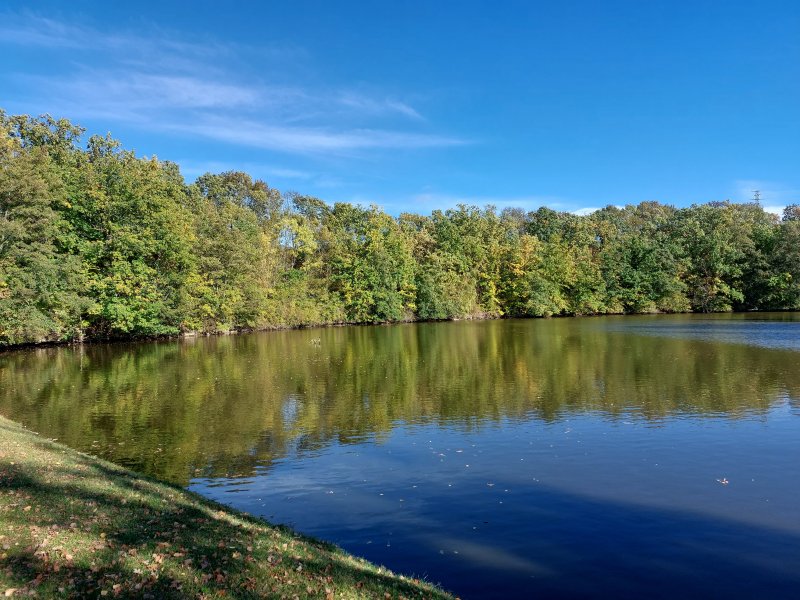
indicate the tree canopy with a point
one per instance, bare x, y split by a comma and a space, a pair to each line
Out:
97, 243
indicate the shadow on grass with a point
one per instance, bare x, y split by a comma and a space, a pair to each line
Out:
88, 529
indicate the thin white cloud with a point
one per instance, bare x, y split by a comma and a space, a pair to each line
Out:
309, 139
108, 92
365, 104
32, 30
192, 168
230, 113
159, 90
289, 173
163, 83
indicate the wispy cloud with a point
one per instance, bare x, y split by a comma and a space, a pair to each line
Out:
164, 83
30, 29
193, 168
375, 106
308, 139
108, 92
277, 175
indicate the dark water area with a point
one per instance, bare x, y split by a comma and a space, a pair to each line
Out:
629, 457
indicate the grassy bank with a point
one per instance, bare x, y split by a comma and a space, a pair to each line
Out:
72, 525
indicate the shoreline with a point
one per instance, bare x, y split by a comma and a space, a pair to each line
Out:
74, 525
479, 317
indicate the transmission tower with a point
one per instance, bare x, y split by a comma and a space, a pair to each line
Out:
757, 196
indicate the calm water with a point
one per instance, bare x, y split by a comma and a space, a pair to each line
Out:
563, 457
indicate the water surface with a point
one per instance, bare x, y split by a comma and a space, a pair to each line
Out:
650, 456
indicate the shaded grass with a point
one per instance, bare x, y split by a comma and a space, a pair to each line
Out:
72, 525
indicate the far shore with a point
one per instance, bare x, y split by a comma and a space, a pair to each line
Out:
209, 334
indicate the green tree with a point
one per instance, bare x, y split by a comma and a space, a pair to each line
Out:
372, 267
784, 279
712, 239
134, 237
235, 255
41, 283
641, 261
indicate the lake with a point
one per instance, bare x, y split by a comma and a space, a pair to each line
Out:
628, 457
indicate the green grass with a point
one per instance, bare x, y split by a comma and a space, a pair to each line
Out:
72, 525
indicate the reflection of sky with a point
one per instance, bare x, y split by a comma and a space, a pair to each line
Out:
559, 509
765, 334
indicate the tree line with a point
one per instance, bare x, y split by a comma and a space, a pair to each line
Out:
98, 243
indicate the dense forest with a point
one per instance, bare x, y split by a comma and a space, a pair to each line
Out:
97, 243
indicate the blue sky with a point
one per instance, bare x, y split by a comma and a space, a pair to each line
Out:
416, 106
